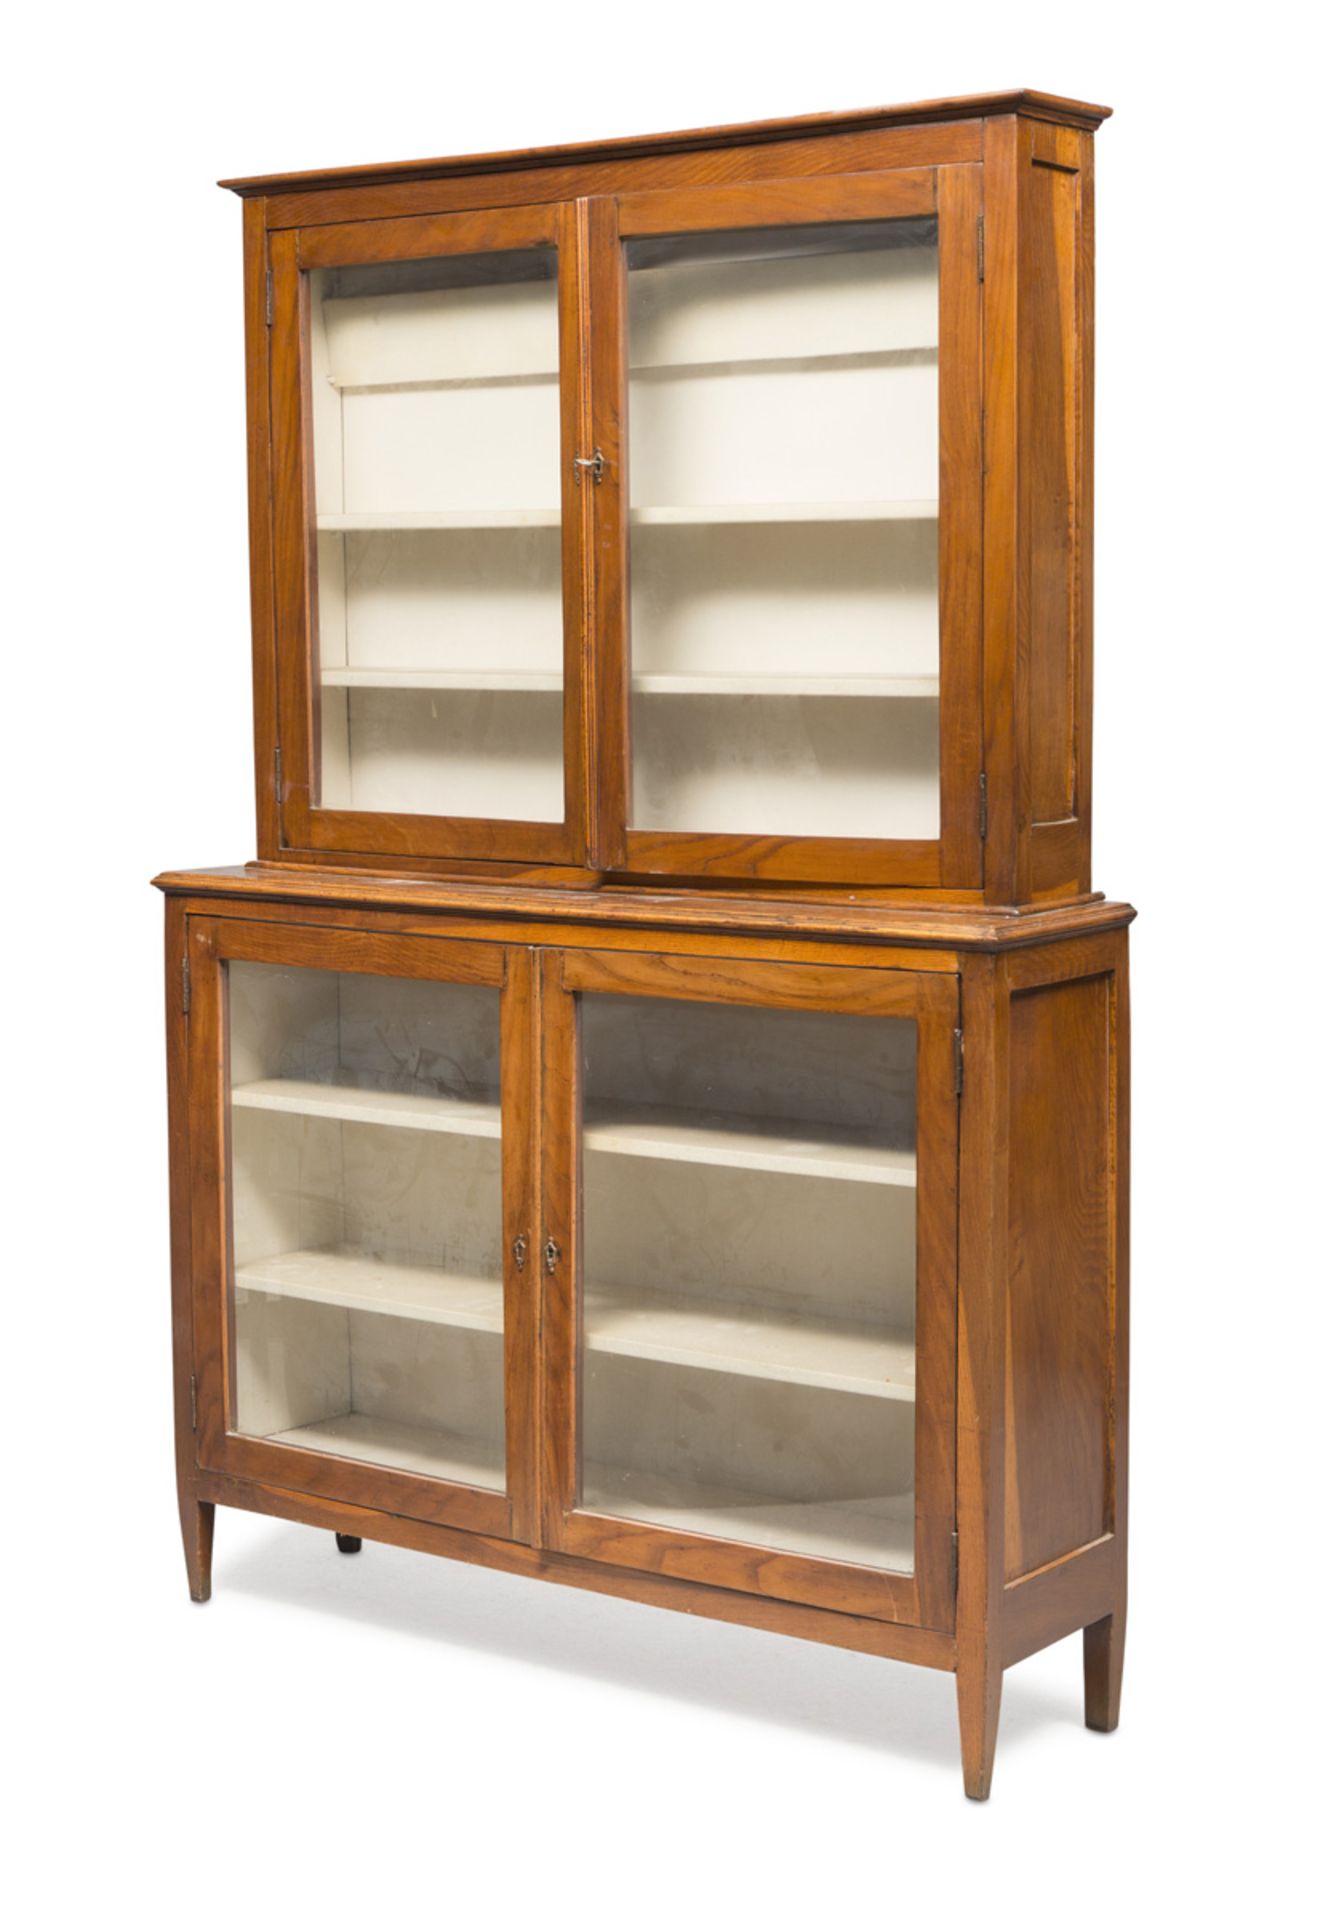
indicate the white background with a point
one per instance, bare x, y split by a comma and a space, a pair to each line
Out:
396, 1735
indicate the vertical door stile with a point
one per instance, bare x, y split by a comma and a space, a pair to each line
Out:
606, 344
210, 1223
936, 1298
556, 1272
520, 1240
961, 573
575, 492
294, 520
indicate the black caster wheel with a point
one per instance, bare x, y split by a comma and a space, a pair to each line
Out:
348, 1543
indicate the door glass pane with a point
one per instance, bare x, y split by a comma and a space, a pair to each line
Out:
367, 1218
436, 441
784, 473
749, 1304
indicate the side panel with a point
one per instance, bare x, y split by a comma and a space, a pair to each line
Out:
1043, 1311
1058, 1345
1038, 266
1056, 399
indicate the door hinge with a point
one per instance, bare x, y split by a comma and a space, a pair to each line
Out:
192, 1403
185, 983
957, 1059
953, 1562
269, 299
279, 775
980, 246
981, 808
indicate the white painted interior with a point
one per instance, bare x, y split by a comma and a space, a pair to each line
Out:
749, 1281
764, 1242
436, 420
783, 460
783, 469
366, 1228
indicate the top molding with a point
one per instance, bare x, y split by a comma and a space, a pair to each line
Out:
1023, 100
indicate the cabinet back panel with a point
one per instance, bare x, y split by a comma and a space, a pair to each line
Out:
717, 1234
435, 599
803, 598
452, 751
786, 764
765, 1061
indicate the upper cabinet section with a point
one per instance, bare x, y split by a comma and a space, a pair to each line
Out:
715, 506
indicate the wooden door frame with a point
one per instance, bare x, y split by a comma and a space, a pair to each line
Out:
923, 1598
211, 943
954, 196
293, 777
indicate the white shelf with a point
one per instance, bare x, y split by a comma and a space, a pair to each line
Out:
651, 1133
924, 354
726, 513
412, 520
389, 1443
745, 1142
465, 679
779, 512
874, 1532
845, 1358
867, 686
347, 1277
370, 1106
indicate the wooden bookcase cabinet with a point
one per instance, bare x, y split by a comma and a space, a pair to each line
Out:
754, 1248
713, 506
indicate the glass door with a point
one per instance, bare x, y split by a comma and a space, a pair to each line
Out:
427, 402
800, 498
749, 1303
362, 1287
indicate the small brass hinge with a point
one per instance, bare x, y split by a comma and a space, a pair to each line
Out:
279, 775
192, 1403
185, 983
953, 1561
957, 1059
981, 807
980, 246
269, 299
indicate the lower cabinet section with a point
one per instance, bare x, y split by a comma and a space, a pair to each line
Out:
642, 1269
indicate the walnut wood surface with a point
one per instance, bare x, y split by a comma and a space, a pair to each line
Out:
1043, 106
960, 926
990, 931
1015, 571
1017, 1471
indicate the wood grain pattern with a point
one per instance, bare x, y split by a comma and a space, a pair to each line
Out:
521, 1158
365, 242
196, 1516
958, 927
1059, 1374
264, 683
862, 196
1038, 508
980, 1386
916, 1645
1045, 106
942, 143
961, 456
